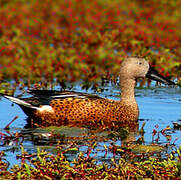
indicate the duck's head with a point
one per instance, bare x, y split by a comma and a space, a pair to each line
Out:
136, 67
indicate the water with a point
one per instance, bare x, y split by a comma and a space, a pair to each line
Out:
159, 108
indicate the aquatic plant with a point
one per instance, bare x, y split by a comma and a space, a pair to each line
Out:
48, 166
66, 41
67, 161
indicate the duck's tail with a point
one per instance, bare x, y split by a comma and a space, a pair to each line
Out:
25, 106
18, 101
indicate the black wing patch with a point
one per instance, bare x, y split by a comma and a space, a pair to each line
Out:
52, 94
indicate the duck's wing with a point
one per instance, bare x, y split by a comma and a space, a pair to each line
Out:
43, 97
52, 94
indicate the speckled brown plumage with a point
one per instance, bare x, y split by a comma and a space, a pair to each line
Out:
89, 112
47, 107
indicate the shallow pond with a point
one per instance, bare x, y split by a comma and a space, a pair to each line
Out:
159, 108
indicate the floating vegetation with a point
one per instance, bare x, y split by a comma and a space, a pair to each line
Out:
86, 154
56, 166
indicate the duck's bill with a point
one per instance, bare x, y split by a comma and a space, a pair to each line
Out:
154, 75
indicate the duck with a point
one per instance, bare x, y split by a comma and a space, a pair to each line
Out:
60, 108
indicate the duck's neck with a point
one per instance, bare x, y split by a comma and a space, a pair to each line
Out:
127, 91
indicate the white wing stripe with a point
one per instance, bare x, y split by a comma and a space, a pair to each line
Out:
67, 96
19, 101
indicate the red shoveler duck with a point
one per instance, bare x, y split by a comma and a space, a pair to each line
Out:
56, 108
